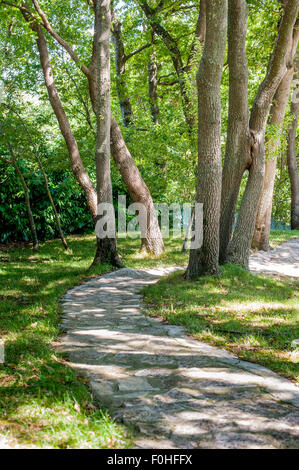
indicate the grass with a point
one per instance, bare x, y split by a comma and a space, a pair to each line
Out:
43, 402
277, 237
253, 316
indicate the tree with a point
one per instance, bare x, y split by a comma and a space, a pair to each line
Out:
106, 244
154, 245
278, 111
14, 163
205, 259
293, 167
171, 43
40, 165
245, 140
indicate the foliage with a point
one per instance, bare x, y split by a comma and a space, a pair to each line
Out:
69, 200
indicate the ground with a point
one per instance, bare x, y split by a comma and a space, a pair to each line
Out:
175, 391
43, 401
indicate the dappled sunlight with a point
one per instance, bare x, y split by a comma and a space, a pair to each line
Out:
253, 316
156, 378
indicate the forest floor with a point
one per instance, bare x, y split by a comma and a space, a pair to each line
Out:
43, 402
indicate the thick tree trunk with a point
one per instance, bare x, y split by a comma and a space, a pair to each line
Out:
153, 89
238, 144
139, 192
73, 150
106, 244
293, 167
239, 247
205, 259
263, 220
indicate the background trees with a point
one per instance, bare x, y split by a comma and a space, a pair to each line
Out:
156, 48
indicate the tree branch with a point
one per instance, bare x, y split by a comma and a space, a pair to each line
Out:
46, 24
128, 56
276, 68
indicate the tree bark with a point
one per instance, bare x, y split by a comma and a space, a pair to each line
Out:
293, 167
238, 143
153, 89
205, 260
138, 190
28, 207
120, 68
106, 245
238, 249
263, 220
188, 231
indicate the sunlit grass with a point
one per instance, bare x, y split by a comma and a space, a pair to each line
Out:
256, 317
43, 401
279, 236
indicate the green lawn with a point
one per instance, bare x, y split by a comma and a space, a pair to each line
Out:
254, 316
279, 236
43, 401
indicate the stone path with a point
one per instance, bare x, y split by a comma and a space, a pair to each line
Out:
283, 260
175, 391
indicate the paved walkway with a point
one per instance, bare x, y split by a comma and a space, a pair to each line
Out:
283, 260
177, 392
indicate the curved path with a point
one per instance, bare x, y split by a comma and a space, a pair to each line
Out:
177, 392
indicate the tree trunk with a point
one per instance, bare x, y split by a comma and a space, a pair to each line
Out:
120, 68
91, 74
238, 249
293, 167
28, 207
238, 143
153, 89
263, 221
14, 163
106, 244
205, 260
130, 174
138, 190
61, 235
